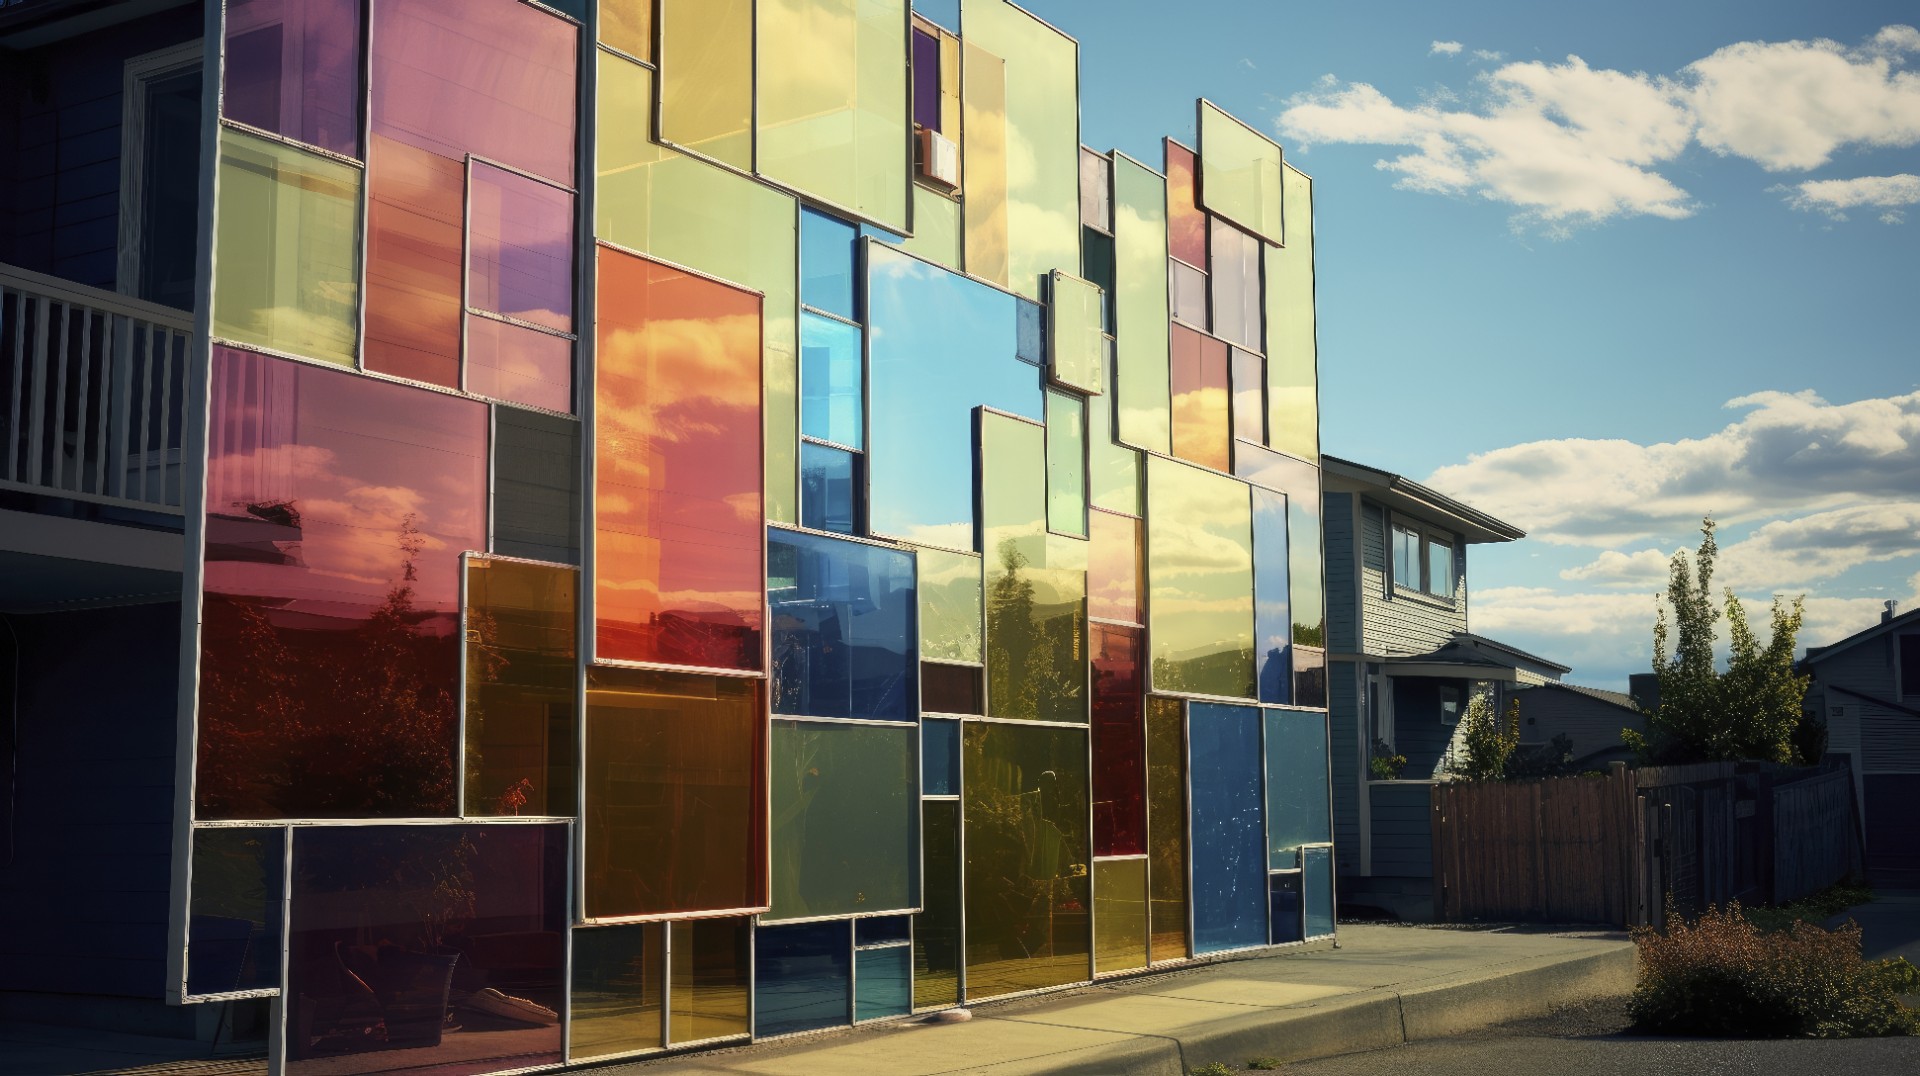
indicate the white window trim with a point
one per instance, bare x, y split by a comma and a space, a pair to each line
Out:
138, 73
1429, 537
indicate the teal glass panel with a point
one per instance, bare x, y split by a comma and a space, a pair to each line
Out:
803, 977
1293, 395
1306, 585
828, 247
1285, 916
883, 981
1228, 812
939, 757
843, 628
1317, 879
1067, 463
830, 387
1272, 627
1199, 581
1140, 307
1075, 344
829, 488
844, 830
941, 345
1297, 783
1240, 174
1036, 583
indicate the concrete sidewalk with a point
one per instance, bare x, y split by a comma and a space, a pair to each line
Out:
1383, 986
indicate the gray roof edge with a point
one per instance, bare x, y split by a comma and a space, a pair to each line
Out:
1477, 525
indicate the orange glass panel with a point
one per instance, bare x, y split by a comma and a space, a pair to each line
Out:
1113, 567
1186, 224
681, 572
675, 798
1202, 399
416, 208
521, 678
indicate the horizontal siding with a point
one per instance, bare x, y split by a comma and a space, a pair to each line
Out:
1889, 739
1348, 762
1591, 724
1402, 830
1343, 595
1402, 625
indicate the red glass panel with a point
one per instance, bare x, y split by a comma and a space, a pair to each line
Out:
1119, 743
680, 573
416, 206
522, 248
1113, 567
337, 510
513, 362
1202, 399
293, 68
950, 689
1186, 223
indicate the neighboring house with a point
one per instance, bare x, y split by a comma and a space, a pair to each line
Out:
1867, 688
1589, 717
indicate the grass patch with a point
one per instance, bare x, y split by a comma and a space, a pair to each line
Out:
1264, 1064
1212, 1068
1813, 908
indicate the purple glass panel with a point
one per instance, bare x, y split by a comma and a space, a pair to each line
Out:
926, 79
522, 248
293, 68
513, 362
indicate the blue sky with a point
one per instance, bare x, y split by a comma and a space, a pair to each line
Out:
1542, 280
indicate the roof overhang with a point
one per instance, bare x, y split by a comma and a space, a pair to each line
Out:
1405, 495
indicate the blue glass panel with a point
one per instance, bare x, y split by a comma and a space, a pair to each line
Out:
1031, 342
1297, 810
843, 628
829, 489
1284, 910
940, 346
883, 930
1317, 867
885, 982
803, 977
1229, 853
830, 380
826, 263
939, 757
1272, 627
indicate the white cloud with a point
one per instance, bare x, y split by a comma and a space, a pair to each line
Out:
1444, 48
1791, 104
1782, 555
1488, 55
1835, 196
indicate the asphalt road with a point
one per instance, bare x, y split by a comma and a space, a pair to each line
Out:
1493, 1055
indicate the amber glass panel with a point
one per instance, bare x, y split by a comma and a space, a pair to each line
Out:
288, 249
949, 689
1119, 915
1167, 827
416, 204
984, 161
674, 806
236, 899
1113, 567
1293, 400
837, 130
680, 566
843, 819
513, 362
711, 981
1240, 174
950, 606
627, 25
1119, 760
521, 248
706, 87
521, 675
329, 659
1113, 469
936, 228
1067, 463
1140, 305
494, 80
619, 990
1027, 857
1199, 580
1186, 224
1035, 589
293, 68
936, 927
408, 942
1076, 348
1233, 275
1202, 399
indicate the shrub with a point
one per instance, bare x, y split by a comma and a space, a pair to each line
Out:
1385, 763
1489, 738
1724, 976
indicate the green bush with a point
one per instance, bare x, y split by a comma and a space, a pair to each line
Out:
1212, 1068
1724, 976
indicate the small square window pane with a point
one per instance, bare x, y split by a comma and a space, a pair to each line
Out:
830, 380
826, 263
1188, 288
829, 488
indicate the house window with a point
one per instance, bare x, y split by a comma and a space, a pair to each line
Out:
1439, 568
1406, 557
1423, 561
1909, 666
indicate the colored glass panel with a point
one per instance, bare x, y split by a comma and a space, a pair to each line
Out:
830, 380
1167, 827
1076, 346
950, 689
233, 933
329, 659
843, 819
408, 941
293, 68
936, 228
1119, 915
494, 80
925, 59
1249, 396
936, 927
1042, 138
1285, 914
1141, 310
706, 85
1240, 174
536, 486
513, 362
1228, 826
288, 261
1297, 783
939, 345
1200, 581
1233, 274
1036, 585
1027, 858
983, 160
521, 248
950, 605
883, 930
1202, 399
1066, 463
1272, 626
829, 488
677, 489
829, 251
1113, 568
1113, 469
688, 212
883, 981
843, 628
627, 25
837, 130
939, 757
1186, 224
803, 977
416, 204
950, 103
1317, 882
709, 993
521, 675
1293, 395
674, 811
1187, 289
619, 990
1306, 586
1119, 744
1096, 190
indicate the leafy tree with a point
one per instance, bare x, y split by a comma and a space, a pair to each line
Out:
1489, 738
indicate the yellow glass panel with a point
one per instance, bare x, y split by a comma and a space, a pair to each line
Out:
950, 85
1141, 387
1036, 583
522, 620
1167, 828
1240, 174
1119, 915
710, 985
687, 211
936, 228
1113, 469
936, 928
1067, 462
1076, 348
983, 161
627, 25
1293, 392
619, 983
836, 129
1199, 581
288, 269
706, 78
949, 606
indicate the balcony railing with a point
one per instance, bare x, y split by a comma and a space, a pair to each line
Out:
92, 388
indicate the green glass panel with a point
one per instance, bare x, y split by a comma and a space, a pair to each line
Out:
288, 270
949, 606
706, 84
1027, 856
686, 211
936, 228
983, 162
1240, 174
843, 818
1036, 585
1167, 827
837, 130
1119, 914
1298, 807
1042, 138
883, 981
619, 990
1067, 463
1199, 581
1113, 469
1076, 349
1293, 393
936, 927
1140, 378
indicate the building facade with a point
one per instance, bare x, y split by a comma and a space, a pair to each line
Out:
1865, 689
591, 529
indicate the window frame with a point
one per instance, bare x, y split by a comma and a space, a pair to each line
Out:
1422, 585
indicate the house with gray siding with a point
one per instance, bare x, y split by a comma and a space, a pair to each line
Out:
1867, 689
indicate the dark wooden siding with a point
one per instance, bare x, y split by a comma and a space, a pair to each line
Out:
1343, 595
1402, 830
1349, 762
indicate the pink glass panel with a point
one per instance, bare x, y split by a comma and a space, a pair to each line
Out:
415, 213
513, 362
1119, 743
1113, 567
1202, 399
680, 570
337, 510
1186, 224
293, 68
522, 248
